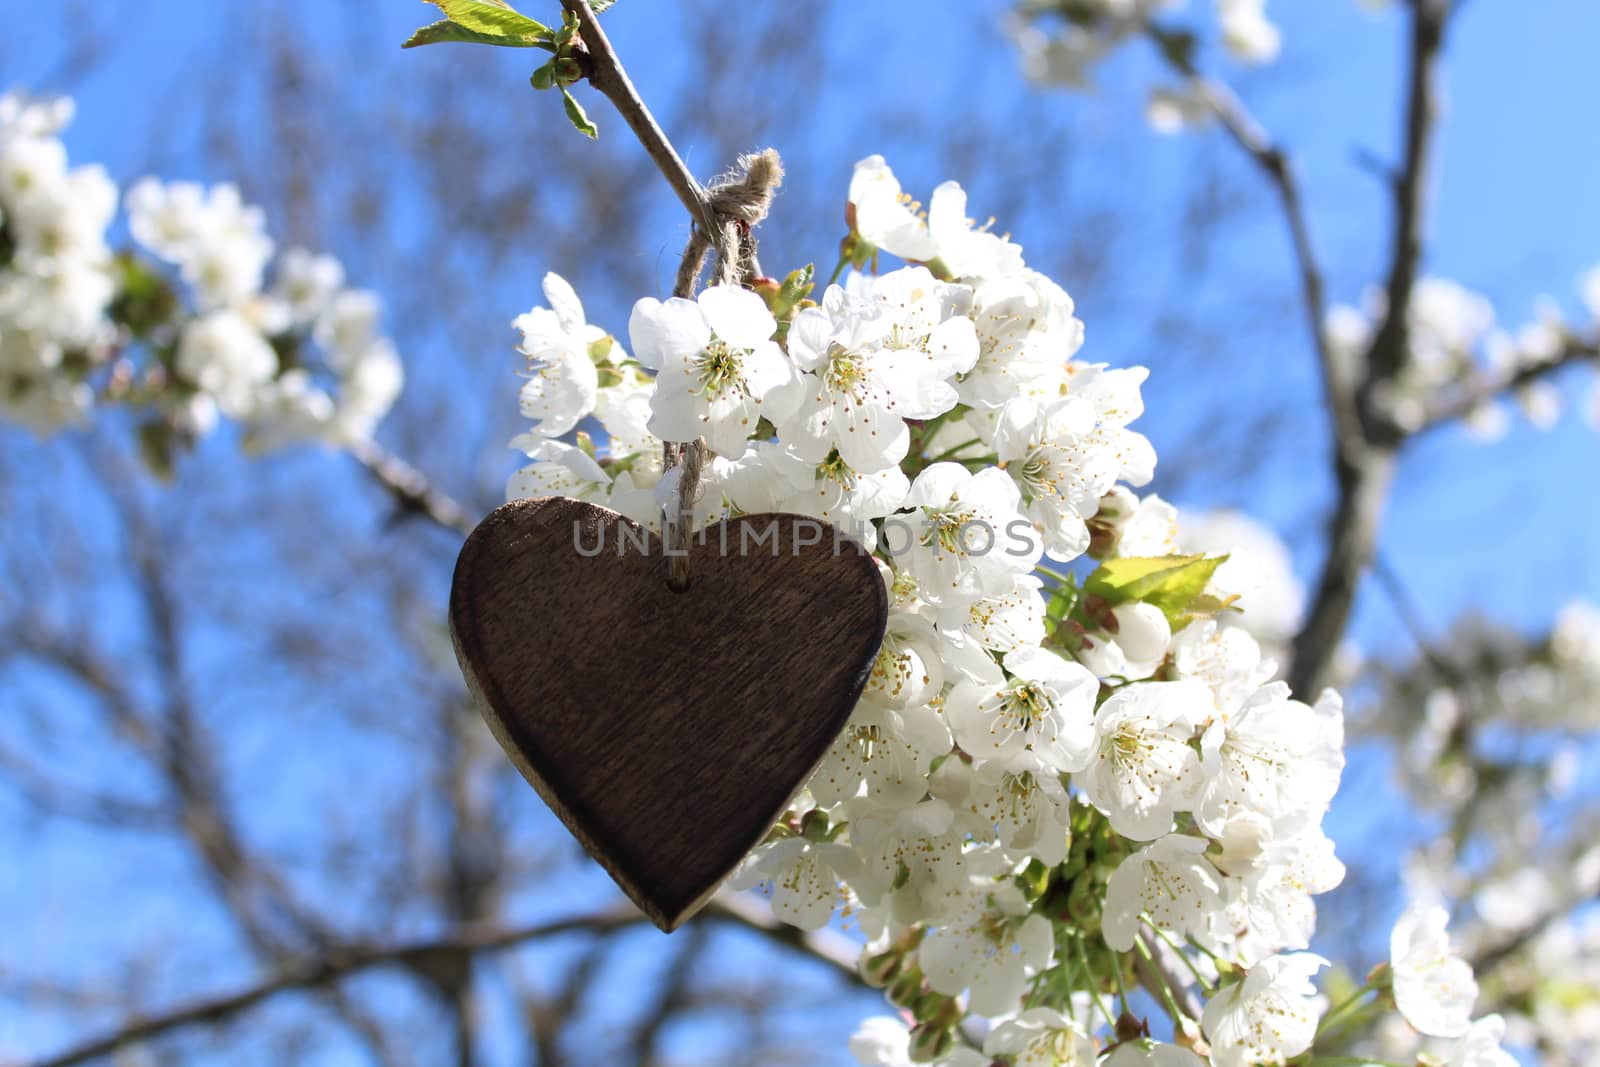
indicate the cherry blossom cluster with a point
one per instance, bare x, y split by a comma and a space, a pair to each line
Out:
185, 326
1071, 781
1514, 857
1458, 349
1061, 42
56, 277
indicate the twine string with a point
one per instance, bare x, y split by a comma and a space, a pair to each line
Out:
739, 200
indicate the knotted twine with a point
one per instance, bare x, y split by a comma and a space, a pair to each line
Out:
736, 203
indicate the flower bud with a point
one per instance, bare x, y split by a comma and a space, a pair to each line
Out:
1102, 656
814, 825
906, 988
566, 71
1143, 634
878, 971
930, 1042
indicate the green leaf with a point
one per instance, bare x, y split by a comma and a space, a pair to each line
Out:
482, 22
1171, 583
598, 6
577, 116
446, 32
493, 17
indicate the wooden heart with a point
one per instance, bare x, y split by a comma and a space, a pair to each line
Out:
667, 730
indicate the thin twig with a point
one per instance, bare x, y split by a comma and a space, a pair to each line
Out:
330, 968
606, 74
1458, 405
1410, 614
1276, 165
413, 493
826, 946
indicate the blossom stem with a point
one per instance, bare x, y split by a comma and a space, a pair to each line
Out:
1177, 1014
1182, 955
1122, 987
838, 270
1051, 572
1343, 1006
950, 453
1091, 983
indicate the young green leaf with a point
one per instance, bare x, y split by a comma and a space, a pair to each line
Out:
494, 18
578, 117
446, 32
1171, 583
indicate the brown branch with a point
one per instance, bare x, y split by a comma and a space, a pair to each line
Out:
1391, 344
331, 968
827, 946
1275, 164
605, 72
1363, 472
334, 965
672, 997
412, 492
1456, 405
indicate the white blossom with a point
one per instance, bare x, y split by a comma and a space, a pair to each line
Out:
1433, 987
1024, 811
967, 537
716, 366
991, 946
804, 876
558, 469
1272, 756
1267, 1017
1246, 31
216, 239
1151, 1054
223, 355
1041, 1037
1041, 719
1480, 1046
886, 750
1169, 880
562, 385
1143, 769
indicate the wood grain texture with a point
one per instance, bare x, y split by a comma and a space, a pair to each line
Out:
667, 730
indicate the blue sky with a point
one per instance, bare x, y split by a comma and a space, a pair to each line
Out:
1504, 529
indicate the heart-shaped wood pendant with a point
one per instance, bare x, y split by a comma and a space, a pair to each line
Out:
668, 730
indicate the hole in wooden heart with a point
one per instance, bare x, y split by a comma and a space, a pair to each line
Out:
668, 730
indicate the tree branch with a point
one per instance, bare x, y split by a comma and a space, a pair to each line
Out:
827, 946
1391, 345
334, 967
604, 71
832, 949
412, 492
1363, 470
1453, 406
1275, 164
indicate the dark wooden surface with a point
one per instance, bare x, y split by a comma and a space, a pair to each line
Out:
667, 730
